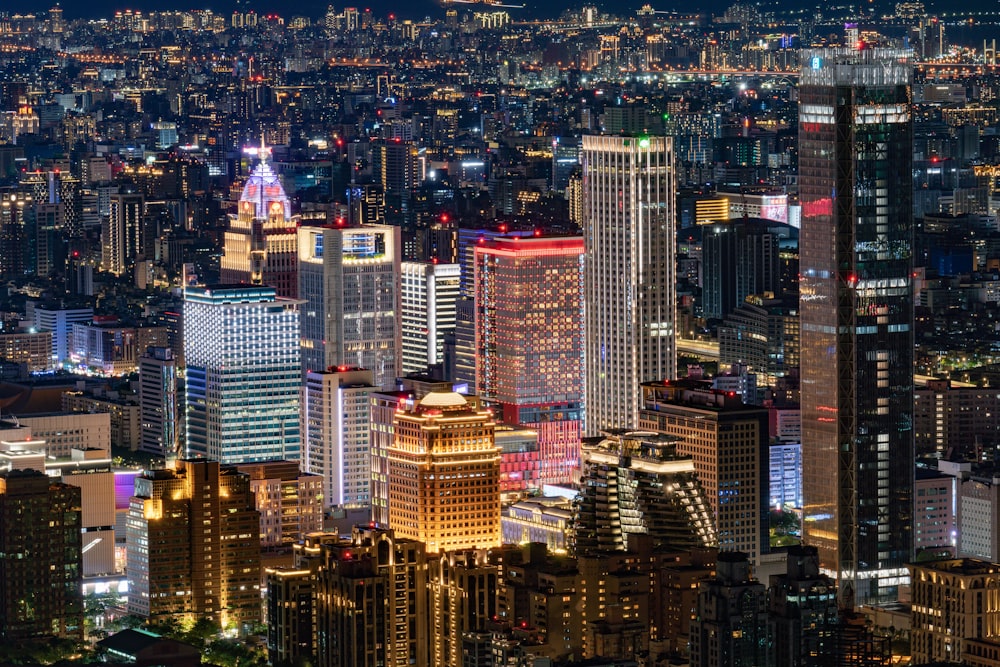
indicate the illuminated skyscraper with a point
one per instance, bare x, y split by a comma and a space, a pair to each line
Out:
628, 225
349, 279
444, 475
158, 402
121, 233
260, 246
244, 373
429, 292
337, 429
529, 340
856, 305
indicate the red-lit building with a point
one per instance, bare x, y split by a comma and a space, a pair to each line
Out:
529, 341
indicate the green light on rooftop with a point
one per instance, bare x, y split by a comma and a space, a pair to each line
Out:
644, 142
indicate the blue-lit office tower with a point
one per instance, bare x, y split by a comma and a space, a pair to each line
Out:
244, 373
856, 305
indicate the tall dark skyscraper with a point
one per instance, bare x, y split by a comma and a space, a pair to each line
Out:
856, 304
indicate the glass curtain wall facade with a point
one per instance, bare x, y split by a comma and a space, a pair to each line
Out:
856, 304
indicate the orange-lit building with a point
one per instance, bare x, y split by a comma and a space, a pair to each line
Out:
193, 545
444, 474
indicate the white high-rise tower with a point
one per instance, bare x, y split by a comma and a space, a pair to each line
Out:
629, 287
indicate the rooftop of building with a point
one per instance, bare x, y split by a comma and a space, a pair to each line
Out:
961, 566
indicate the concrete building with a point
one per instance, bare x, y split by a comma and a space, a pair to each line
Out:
124, 414
290, 502
952, 421
28, 346
545, 520
462, 589
65, 431
175, 573
158, 406
372, 601
428, 294
732, 627
60, 322
952, 601
636, 484
337, 427
40, 597
803, 609
349, 278
935, 520
729, 445
444, 475
629, 285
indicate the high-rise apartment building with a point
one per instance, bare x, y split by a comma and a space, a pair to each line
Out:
635, 483
953, 601
349, 278
444, 474
428, 294
290, 502
244, 374
628, 225
193, 545
856, 307
729, 444
529, 340
803, 608
337, 427
371, 601
950, 421
731, 626
40, 570
260, 246
121, 233
158, 402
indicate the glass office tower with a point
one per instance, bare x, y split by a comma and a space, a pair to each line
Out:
856, 304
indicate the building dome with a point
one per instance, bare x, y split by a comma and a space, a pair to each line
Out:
443, 400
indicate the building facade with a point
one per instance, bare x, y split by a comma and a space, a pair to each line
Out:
244, 374
637, 483
629, 284
953, 600
530, 341
728, 442
428, 294
349, 278
158, 405
337, 427
259, 247
193, 545
856, 306
290, 502
41, 567
444, 475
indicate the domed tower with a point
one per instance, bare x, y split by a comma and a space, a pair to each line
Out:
260, 245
